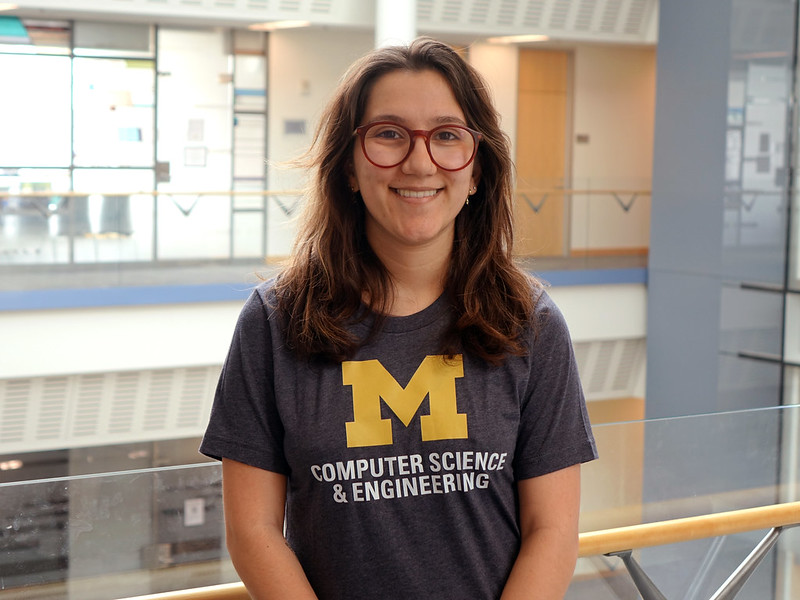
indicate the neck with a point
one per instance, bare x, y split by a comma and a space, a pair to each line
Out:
418, 275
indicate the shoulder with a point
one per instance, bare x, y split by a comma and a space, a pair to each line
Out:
260, 306
548, 322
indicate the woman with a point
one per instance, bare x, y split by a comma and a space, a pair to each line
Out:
402, 392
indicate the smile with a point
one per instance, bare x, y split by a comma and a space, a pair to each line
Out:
415, 193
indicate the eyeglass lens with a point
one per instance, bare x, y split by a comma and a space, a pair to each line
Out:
451, 146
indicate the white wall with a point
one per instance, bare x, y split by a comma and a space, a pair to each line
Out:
95, 340
603, 312
499, 65
305, 67
614, 105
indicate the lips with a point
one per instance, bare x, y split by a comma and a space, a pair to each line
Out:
415, 193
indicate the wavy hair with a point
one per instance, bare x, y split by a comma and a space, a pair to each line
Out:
333, 270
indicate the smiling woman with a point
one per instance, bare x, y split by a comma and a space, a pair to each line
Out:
412, 202
402, 393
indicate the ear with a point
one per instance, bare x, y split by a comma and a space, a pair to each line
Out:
476, 174
351, 178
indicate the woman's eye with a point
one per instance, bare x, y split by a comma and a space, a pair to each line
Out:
448, 135
388, 134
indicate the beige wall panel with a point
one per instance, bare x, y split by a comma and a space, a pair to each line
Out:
540, 159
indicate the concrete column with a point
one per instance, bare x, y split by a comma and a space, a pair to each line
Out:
395, 22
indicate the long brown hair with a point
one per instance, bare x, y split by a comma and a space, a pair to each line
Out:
333, 269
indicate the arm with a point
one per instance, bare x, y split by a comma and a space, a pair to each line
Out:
549, 507
254, 502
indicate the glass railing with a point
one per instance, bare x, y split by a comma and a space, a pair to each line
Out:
137, 532
664, 469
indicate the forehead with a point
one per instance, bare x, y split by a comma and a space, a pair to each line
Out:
412, 96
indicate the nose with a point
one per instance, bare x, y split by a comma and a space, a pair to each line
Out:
419, 160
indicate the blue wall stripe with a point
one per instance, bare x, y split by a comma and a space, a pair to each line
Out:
121, 296
227, 292
594, 276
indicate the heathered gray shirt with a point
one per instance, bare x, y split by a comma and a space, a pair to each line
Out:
401, 463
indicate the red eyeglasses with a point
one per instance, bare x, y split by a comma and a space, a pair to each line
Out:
386, 144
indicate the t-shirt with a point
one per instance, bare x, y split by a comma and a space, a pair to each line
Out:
401, 463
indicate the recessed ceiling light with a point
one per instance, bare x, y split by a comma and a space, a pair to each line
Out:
273, 25
518, 39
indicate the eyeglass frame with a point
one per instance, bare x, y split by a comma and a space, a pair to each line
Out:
414, 133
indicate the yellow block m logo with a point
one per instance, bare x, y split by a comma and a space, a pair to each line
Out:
434, 378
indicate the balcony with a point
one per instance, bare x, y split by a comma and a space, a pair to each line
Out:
139, 531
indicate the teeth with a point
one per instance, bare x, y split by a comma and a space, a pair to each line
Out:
415, 194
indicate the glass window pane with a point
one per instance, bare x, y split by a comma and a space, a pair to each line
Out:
31, 217
120, 220
35, 111
195, 117
114, 112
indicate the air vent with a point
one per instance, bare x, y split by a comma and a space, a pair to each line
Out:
534, 14
159, 396
123, 403
611, 16
585, 16
601, 20
96, 409
321, 6
451, 11
88, 404
611, 368
635, 16
425, 10
289, 5
52, 409
14, 413
507, 13
480, 12
194, 386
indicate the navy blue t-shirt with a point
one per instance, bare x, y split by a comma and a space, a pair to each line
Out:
402, 464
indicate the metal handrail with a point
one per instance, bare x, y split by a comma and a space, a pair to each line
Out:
296, 192
661, 533
50, 193
618, 540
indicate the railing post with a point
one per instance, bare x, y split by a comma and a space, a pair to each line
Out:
644, 584
739, 577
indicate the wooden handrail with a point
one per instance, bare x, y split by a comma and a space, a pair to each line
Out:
226, 591
593, 543
50, 193
576, 192
662, 533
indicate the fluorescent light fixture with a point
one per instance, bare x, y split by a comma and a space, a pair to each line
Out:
7, 6
273, 25
518, 39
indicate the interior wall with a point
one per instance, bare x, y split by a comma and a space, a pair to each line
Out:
127, 338
499, 65
612, 147
304, 68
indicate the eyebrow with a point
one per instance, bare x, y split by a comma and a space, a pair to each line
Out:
443, 120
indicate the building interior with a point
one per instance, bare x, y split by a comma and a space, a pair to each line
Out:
146, 186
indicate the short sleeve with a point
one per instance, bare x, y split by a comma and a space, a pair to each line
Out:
245, 424
555, 432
